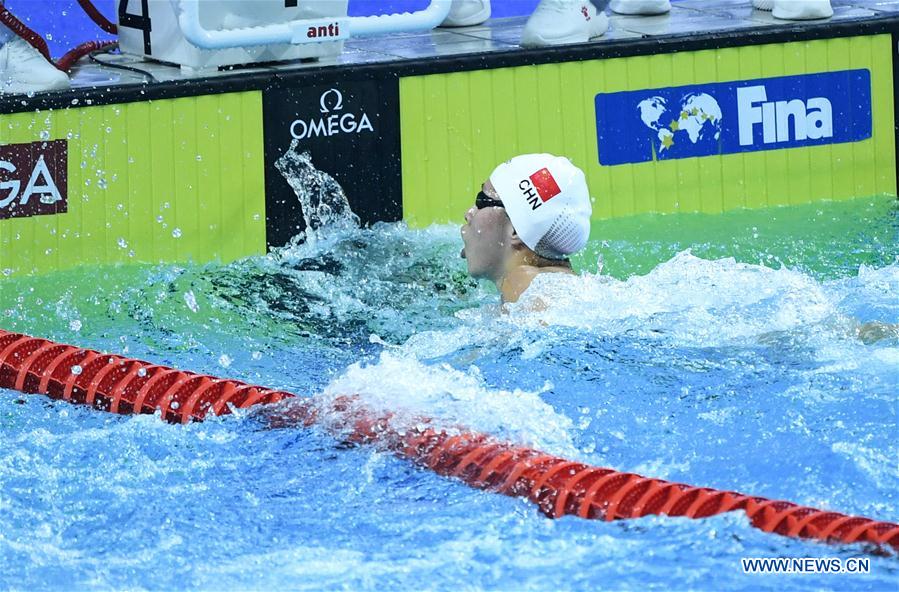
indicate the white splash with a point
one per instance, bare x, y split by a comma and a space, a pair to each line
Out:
322, 199
455, 399
694, 301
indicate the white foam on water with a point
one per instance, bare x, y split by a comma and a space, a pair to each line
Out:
454, 398
690, 300
879, 465
687, 301
485, 327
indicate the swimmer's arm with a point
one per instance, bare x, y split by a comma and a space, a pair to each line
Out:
874, 331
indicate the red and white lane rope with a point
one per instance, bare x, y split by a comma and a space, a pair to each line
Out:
558, 486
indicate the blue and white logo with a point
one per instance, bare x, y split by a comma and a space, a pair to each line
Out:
732, 117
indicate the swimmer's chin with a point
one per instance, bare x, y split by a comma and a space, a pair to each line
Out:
462, 253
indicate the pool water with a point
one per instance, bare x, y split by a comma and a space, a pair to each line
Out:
715, 350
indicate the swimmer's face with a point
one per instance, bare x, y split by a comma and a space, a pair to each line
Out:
487, 235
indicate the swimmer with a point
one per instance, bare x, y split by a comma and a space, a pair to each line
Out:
528, 217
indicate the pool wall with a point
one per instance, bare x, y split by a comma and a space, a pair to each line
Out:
457, 127
164, 180
184, 170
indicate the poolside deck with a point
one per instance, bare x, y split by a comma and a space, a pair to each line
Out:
688, 19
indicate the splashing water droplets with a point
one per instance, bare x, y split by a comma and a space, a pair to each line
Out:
191, 300
323, 201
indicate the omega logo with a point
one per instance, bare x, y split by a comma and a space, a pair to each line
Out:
332, 122
33, 179
338, 100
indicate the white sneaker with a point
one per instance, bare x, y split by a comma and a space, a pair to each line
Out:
557, 22
23, 69
642, 7
796, 10
467, 13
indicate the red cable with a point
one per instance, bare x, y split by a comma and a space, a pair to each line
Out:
66, 62
97, 16
559, 487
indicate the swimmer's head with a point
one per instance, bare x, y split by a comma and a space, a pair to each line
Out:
548, 202
534, 203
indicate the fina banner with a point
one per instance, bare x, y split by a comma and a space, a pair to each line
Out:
733, 117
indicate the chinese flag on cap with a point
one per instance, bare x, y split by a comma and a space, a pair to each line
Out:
546, 185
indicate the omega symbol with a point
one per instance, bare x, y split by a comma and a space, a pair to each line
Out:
338, 101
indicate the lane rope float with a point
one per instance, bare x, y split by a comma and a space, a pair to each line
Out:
558, 486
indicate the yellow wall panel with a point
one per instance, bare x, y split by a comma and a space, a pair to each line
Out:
456, 127
155, 181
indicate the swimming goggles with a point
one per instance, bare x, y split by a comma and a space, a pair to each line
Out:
485, 201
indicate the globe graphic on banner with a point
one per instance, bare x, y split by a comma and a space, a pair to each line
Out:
694, 122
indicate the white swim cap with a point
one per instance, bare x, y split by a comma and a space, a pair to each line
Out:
547, 200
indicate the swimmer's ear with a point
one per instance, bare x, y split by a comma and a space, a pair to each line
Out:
517, 243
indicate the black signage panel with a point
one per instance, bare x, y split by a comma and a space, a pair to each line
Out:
35, 179
351, 128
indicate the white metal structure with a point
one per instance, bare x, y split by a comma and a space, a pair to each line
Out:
210, 33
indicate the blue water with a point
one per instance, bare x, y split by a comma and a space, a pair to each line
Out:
729, 359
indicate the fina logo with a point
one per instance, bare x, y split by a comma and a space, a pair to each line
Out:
811, 120
331, 122
734, 117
